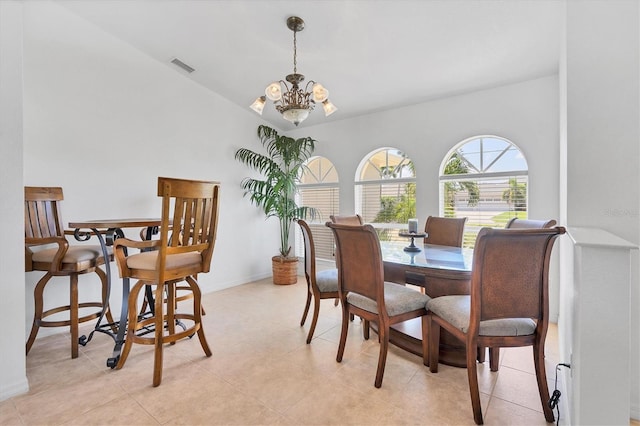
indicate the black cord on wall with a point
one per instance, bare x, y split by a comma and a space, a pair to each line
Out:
555, 396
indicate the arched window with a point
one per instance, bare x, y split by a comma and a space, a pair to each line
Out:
319, 188
484, 178
386, 191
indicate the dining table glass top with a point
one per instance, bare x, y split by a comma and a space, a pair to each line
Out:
431, 256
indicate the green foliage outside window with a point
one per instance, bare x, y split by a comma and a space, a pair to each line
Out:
516, 195
455, 166
398, 210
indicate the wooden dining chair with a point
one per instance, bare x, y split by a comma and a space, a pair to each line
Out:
364, 292
515, 223
184, 250
508, 305
444, 231
43, 228
320, 284
354, 219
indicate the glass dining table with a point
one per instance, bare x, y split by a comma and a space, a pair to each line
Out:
441, 271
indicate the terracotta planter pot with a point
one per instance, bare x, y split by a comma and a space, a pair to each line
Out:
285, 270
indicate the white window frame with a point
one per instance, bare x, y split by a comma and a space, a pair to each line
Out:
480, 173
391, 229
322, 237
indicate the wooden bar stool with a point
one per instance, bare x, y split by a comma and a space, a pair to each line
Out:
43, 229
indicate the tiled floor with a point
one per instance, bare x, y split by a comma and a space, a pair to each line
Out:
262, 372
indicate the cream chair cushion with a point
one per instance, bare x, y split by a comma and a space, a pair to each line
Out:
74, 254
327, 280
456, 311
397, 298
147, 260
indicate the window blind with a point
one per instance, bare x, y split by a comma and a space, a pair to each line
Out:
325, 198
487, 201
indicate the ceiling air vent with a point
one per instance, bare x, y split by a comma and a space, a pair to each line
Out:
179, 63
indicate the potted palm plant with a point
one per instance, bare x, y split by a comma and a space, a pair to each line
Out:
274, 194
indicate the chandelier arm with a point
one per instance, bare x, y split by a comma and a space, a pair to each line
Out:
283, 99
310, 83
286, 86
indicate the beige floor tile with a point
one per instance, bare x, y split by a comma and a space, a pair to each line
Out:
502, 412
121, 411
522, 359
65, 402
9, 414
187, 398
518, 387
318, 357
45, 349
263, 372
278, 384
333, 403
436, 400
60, 371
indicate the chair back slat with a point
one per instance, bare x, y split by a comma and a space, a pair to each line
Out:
190, 208
359, 259
510, 273
42, 212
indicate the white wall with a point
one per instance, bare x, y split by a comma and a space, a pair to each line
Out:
103, 121
600, 136
13, 379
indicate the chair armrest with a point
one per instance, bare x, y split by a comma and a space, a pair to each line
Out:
119, 243
120, 253
56, 263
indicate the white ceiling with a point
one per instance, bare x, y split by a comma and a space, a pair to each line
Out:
370, 54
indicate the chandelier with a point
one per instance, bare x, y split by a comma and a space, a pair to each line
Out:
290, 100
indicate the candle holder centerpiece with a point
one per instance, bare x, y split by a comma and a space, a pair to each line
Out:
412, 233
412, 247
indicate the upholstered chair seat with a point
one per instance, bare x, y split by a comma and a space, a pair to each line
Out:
148, 260
456, 310
327, 280
77, 258
398, 300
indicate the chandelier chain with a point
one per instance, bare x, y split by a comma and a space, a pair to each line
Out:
295, 56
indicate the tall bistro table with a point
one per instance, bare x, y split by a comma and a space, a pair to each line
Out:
441, 271
107, 231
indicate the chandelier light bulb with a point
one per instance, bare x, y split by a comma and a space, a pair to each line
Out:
258, 104
328, 107
320, 94
274, 91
